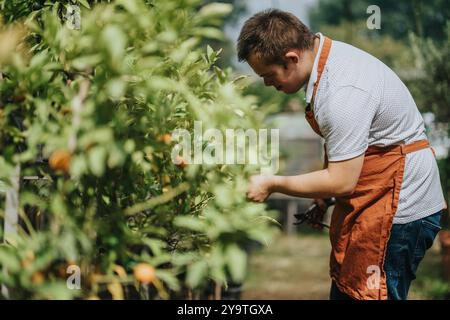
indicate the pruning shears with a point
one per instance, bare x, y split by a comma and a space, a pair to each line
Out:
310, 214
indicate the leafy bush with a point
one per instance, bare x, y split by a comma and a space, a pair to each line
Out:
100, 103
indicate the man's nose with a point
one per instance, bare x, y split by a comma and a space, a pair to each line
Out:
268, 83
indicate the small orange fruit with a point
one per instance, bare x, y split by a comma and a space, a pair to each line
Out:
60, 160
166, 138
144, 273
37, 278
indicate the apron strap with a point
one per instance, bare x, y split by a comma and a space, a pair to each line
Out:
415, 146
322, 61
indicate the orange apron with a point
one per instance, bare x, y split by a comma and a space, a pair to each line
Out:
361, 222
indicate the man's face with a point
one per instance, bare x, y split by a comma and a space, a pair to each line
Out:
288, 78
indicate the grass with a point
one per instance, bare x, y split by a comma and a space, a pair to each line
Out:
296, 268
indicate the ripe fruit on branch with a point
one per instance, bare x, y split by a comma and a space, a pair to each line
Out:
60, 160
144, 273
166, 138
37, 278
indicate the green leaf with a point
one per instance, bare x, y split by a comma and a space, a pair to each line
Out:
58, 205
97, 158
220, 74
209, 52
115, 42
39, 59
183, 259
85, 3
68, 245
208, 32
116, 88
161, 83
101, 135
196, 273
191, 223
215, 9
78, 166
116, 156
169, 279
237, 262
9, 260
155, 245
182, 51
85, 62
260, 236
224, 195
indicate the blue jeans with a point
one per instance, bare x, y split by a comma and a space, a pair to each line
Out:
406, 248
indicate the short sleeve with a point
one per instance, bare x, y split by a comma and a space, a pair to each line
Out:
345, 119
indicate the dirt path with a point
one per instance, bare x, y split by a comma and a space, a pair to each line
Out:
293, 267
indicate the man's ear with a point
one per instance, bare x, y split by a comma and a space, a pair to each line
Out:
292, 56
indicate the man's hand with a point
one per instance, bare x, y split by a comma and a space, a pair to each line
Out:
319, 213
338, 179
259, 188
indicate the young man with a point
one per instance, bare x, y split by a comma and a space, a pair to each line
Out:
378, 163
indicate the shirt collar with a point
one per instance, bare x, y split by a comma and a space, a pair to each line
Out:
309, 87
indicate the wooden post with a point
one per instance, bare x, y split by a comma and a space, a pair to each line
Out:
12, 206
217, 291
11, 213
291, 210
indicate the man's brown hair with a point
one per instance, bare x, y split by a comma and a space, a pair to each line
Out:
270, 34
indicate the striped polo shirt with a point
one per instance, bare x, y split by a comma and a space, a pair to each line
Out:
361, 102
